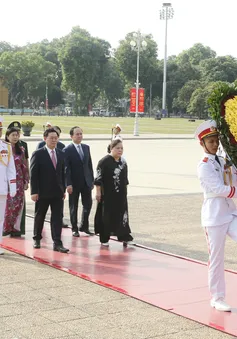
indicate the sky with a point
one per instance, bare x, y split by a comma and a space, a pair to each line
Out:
195, 21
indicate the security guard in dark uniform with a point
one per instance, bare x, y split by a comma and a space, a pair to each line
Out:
23, 144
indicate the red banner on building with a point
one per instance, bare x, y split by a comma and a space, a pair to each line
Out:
133, 100
141, 100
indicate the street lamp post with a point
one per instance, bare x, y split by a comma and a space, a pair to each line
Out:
46, 96
137, 44
166, 13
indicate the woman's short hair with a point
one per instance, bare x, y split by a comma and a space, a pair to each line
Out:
113, 144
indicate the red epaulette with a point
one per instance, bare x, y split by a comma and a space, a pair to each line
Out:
205, 159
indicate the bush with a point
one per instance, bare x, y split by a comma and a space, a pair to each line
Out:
27, 124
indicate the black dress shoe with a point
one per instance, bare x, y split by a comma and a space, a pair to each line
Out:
75, 234
86, 231
6, 233
16, 235
36, 244
60, 248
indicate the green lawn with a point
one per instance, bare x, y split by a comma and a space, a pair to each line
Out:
96, 125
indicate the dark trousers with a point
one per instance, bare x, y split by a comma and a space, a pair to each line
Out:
105, 236
41, 208
86, 200
63, 211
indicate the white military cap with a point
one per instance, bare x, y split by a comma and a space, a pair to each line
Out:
1, 122
207, 128
118, 126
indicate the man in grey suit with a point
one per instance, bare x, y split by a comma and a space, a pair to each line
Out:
79, 180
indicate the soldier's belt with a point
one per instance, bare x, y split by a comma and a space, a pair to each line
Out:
210, 195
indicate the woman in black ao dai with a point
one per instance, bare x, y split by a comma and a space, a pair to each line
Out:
111, 193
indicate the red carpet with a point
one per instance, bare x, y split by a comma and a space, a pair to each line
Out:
173, 283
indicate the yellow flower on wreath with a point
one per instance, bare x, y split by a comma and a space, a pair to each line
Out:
231, 115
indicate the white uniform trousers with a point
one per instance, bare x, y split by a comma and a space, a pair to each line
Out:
216, 236
3, 202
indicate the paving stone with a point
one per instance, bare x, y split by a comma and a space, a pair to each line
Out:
61, 290
3, 300
112, 306
11, 309
65, 314
160, 327
198, 333
87, 325
12, 334
126, 319
15, 287
44, 283
25, 320
47, 331
31, 295
41, 305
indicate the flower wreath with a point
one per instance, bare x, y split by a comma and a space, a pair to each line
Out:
223, 109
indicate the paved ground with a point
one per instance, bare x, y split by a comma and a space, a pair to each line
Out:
148, 136
164, 203
39, 302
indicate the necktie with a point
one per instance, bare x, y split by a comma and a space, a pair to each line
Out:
80, 151
53, 159
217, 159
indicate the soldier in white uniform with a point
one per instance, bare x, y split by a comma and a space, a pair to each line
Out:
219, 213
116, 132
7, 177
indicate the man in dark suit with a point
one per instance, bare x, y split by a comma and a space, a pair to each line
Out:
60, 146
48, 188
79, 180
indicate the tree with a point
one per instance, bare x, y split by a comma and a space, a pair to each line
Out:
113, 84
49, 51
219, 69
183, 69
24, 75
6, 47
185, 94
198, 105
83, 59
196, 54
127, 62
178, 73
80, 68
